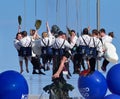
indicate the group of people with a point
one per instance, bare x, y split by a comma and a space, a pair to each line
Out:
24, 45
95, 42
59, 48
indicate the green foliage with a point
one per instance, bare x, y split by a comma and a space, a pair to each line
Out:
38, 24
19, 20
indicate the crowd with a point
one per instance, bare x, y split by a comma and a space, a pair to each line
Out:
59, 48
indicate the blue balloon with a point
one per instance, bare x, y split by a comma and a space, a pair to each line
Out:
113, 79
112, 96
93, 86
12, 85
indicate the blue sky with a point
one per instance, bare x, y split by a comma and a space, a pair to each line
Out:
46, 11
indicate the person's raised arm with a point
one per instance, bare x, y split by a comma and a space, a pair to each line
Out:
56, 75
48, 29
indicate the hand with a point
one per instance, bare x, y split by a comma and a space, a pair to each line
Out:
47, 24
88, 28
56, 75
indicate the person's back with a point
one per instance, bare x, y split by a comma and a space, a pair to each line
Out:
46, 43
84, 39
83, 43
82, 48
96, 42
96, 50
60, 42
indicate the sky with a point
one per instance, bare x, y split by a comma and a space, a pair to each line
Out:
77, 15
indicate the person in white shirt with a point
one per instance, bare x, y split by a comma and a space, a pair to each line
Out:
46, 43
17, 40
36, 52
25, 48
97, 53
26, 40
76, 64
82, 44
18, 46
105, 38
59, 47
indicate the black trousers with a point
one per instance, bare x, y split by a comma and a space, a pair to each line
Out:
92, 62
35, 62
78, 61
105, 63
46, 58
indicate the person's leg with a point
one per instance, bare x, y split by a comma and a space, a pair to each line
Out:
92, 63
36, 65
88, 63
47, 62
39, 66
67, 67
104, 65
33, 63
83, 65
56, 75
77, 63
26, 64
74, 63
21, 64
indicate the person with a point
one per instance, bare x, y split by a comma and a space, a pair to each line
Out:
105, 38
59, 47
35, 60
35, 42
97, 49
25, 49
66, 64
82, 46
111, 34
63, 60
36, 51
34, 34
76, 64
47, 41
59, 50
65, 57
17, 46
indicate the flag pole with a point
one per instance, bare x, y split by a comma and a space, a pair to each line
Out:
98, 26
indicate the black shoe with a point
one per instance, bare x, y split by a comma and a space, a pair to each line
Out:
42, 67
34, 72
75, 72
40, 72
